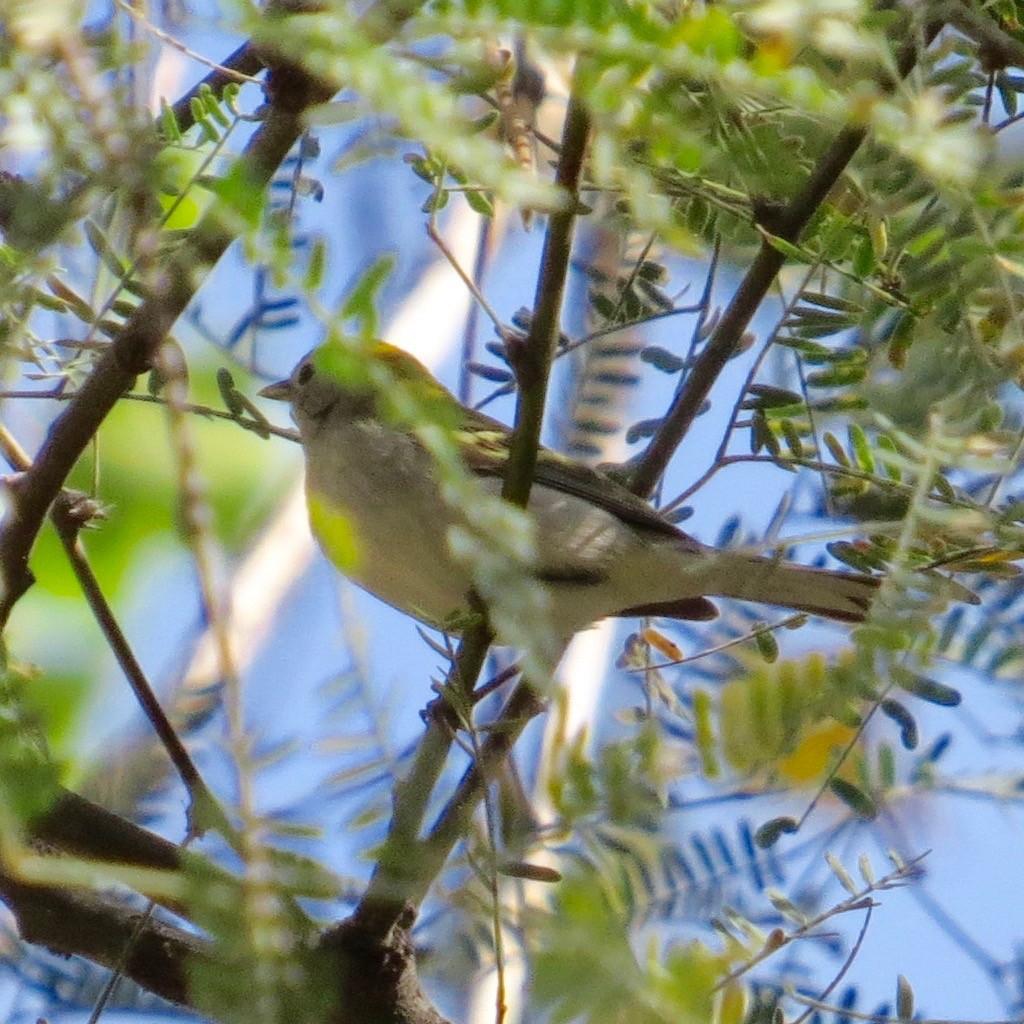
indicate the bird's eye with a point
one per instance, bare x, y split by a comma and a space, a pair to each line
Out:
305, 372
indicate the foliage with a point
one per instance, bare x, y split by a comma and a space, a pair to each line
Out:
852, 165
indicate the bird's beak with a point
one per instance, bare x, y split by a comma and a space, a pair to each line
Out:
281, 391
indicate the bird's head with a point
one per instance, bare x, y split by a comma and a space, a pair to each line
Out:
337, 380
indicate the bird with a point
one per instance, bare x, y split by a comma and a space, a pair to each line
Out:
377, 508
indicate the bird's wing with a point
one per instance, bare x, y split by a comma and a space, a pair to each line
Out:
488, 456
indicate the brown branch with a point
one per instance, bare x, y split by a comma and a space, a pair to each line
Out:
245, 61
396, 893
408, 865
205, 810
78, 826
521, 708
80, 923
532, 361
375, 976
133, 348
377, 979
398, 872
753, 289
740, 311
996, 48
75, 921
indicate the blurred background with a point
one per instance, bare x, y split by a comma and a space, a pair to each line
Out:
334, 682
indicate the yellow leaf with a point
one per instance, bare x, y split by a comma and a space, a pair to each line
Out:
662, 644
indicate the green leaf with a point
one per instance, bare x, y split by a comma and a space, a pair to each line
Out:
838, 376
316, 268
212, 106
904, 999
844, 876
169, 123
861, 448
886, 766
856, 555
28, 776
228, 392
479, 202
836, 450
762, 435
788, 249
770, 397
75, 303
810, 323
661, 359
834, 302
767, 645
771, 831
793, 440
928, 689
904, 719
361, 302
436, 201
100, 244
704, 736
241, 195
531, 872
855, 798
891, 466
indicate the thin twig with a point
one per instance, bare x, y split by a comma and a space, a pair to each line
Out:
69, 517
851, 472
231, 73
71, 921
257, 427
747, 300
881, 1018
857, 901
69, 514
787, 623
740, 311
847, 963
469, 330
398, 877
435, 236
245, 61
521, 708
408, 866
134, 346
755, 369
103, 999
532, 361
625, 325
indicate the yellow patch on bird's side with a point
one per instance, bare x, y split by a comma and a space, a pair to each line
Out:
334, 531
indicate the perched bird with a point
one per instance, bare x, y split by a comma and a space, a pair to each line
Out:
601, 550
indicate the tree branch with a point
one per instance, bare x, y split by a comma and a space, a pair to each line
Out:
68, 517
245, 61
997, 49
532, 361
77, 826
76, 922
133, 348
751, 293
409, 865
522, 707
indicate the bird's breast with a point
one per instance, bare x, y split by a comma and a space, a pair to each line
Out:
376, 509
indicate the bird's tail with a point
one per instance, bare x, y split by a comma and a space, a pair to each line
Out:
843, 596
